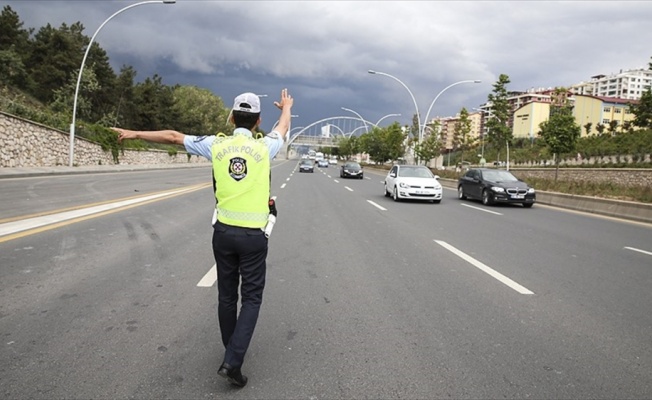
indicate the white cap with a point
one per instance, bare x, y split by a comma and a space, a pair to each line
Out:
247, 102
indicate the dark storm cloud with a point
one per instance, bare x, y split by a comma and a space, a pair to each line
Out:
321, 51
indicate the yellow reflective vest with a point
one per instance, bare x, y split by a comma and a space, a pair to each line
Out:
241, 169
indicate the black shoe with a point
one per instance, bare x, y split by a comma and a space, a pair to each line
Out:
233, 375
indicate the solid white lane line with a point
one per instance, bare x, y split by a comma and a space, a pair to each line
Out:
497, 275
210, 278
283, 186
376, 205
348, 188
32, 223
482, 209
639, 250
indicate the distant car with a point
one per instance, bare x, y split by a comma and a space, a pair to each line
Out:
332, 161
495, 186
306, 166
351, 169
322, 163
415, 182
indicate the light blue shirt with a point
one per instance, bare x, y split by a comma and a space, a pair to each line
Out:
201, 145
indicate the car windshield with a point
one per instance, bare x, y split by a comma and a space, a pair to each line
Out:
306, 162
352, 165
415, 172
499, 176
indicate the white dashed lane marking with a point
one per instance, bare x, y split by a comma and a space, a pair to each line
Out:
495, 274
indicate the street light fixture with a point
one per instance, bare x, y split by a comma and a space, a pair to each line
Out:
81, 69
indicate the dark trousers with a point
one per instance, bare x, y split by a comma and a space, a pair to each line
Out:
239, 253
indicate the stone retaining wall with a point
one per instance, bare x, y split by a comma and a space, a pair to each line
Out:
621, 176
27, 144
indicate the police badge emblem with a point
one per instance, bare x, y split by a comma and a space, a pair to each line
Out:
238, 168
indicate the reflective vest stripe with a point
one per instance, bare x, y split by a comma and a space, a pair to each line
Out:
242, 216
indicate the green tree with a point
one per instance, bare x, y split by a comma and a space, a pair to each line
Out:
348, 146
12, 69
560, 133
499, 132
613, 125
587, 128
462, 139
155, 103
12, 33
125, 106
415, 128
200, 111
14, 47
600, 128
395, 139
384, 144
63, 97
54, 58
643, 110
431, 146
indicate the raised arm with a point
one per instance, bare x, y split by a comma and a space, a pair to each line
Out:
165, 136
285, 105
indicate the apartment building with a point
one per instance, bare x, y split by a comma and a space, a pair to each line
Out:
447, 126
628, 84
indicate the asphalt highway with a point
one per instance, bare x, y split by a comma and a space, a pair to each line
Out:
107, 290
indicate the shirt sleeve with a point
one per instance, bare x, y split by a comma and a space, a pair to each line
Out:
274, 142
199, 145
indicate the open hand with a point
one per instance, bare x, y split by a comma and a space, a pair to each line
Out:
286, 100
124, 134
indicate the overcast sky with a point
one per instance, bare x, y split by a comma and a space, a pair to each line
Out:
321, 50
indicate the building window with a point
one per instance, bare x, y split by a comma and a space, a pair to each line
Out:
606, 121
617, 110
607, 109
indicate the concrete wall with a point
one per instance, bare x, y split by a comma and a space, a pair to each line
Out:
27, 144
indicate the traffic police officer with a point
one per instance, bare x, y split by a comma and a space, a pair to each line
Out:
241, 173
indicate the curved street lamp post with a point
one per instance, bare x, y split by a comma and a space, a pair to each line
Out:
416, 107
359, 116
423, 129
81, 69
387, 116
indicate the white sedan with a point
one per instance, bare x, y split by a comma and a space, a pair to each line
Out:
415, 182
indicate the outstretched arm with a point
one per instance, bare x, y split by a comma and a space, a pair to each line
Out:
165, 136
285, 105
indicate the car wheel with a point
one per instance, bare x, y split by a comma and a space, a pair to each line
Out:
460, 193
395, 194
387, 194
360, 176
486, 198
436, 201
528, 205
